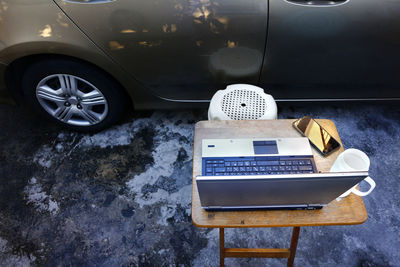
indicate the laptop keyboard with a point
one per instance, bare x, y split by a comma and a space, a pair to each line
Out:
234, 166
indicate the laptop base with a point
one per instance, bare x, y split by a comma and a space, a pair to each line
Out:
250, 208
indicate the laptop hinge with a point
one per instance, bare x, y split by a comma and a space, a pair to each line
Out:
314, 206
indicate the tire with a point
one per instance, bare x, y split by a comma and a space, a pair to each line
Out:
74, 95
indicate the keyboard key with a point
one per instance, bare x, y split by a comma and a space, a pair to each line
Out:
215, 161
295, 162
253, 163
275, 168
281, 168
295, 168
208, 169
262, 169
235, 169
240, 163
242, 169
219, 174
308, 162
220, 169
288, 168
282, 163
289, 162
229, 169
305, 168
248, 169
268, 168
234, 164
215, 165
247, 163
302, 162
220, 161
267, 163
227, 163
255, 169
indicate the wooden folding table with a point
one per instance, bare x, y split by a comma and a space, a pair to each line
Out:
348, 211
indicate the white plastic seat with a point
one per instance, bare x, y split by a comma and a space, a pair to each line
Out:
242, 102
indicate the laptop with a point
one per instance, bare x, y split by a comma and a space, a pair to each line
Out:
272, 173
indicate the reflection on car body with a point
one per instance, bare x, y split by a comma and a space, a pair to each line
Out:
167, 53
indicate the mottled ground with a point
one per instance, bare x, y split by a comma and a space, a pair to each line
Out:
122, 197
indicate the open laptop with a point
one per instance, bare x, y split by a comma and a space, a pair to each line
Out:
280, 173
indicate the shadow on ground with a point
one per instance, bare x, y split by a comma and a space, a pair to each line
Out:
122, 197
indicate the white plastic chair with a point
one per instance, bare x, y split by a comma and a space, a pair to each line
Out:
242, 102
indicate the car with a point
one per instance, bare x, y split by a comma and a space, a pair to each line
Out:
81, 63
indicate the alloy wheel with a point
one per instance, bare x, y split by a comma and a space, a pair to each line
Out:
72, 100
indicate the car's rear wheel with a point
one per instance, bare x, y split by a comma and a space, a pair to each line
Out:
74, 94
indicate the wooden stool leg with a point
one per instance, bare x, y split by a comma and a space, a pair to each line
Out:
293, 245
221, 247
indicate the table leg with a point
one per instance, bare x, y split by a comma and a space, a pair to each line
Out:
263, 253
221, 247
293, 245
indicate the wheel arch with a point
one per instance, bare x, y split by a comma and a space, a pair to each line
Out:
17, 68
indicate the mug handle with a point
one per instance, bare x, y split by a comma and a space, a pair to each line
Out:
371, 183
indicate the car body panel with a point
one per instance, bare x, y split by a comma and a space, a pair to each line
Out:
185, 50
2, 76
346, 51
45, 30
179, 49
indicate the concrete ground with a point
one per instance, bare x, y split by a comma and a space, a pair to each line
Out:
122, 197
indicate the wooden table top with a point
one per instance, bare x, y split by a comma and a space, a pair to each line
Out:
349, 210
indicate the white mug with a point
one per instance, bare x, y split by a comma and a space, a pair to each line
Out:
353, 160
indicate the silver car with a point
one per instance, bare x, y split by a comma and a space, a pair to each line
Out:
83, 62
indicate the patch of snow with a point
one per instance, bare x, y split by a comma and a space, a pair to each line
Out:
59, 148
182, 197
354, 242
208, 256
164, 156
166, 213
162, 251
43, 156
35, 195
123, 134
7, 258
167, 146
3, 245
118, 136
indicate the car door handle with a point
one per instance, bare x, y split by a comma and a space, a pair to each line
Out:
321, 3
89, 1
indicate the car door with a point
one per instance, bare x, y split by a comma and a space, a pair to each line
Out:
179, 49
342, 49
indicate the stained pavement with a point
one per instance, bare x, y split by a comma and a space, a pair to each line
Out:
122, 197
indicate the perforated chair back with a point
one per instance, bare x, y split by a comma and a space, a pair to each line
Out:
242, 102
